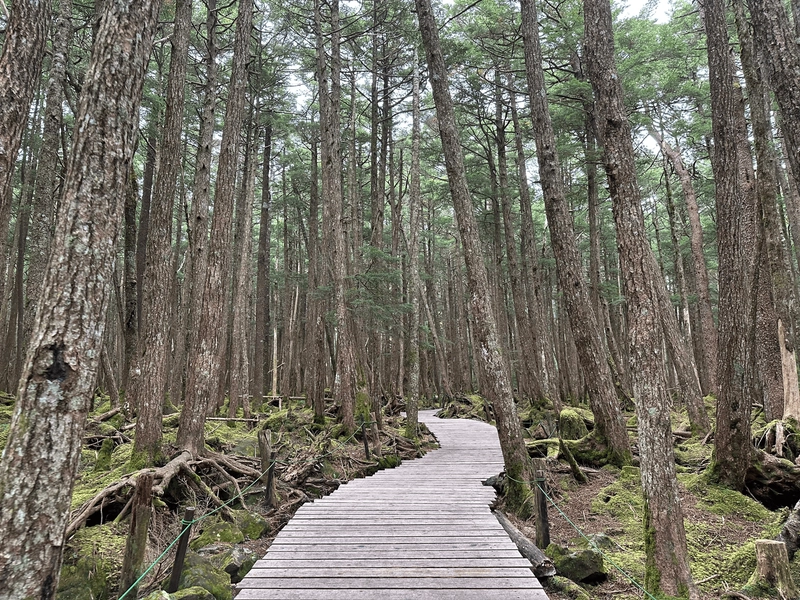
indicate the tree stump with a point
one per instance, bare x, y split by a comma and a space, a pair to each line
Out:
772, 570
136, 543
268, 465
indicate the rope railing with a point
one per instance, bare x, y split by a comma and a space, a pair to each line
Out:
186, 525
588, 540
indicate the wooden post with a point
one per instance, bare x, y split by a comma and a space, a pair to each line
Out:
268, 465
366, 441
542, 522
376, 436
772, 569
180, 555
137, 535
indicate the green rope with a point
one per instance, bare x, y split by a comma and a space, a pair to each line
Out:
156, 561
593, 544
188, 524
583, 535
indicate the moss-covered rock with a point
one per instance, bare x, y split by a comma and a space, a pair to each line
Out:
236, 562
567, 587
103, 462
583, 566
192, 593
217, 531
158, 595
252, 525
571, 425
201, 572
92, 561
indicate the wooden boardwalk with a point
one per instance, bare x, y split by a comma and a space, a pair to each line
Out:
421, 530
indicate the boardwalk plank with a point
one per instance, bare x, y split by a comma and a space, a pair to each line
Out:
422, 530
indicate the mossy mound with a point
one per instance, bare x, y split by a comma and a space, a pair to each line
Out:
571, 425
567, 587
92, 562
468, 406
585, 565
252, 525
215, 531
201, 572
192, 593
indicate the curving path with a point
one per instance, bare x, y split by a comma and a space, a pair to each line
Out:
421, 530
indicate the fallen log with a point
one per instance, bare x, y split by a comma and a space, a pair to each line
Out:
541, 565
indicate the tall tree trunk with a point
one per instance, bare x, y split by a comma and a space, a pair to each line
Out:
130, 322
585, 330
56, 386
262, 277
736, 238
414, 284
527, 252
240, 362
206, 353
151, 385
197, 225
667, 559
344, 386
528, 361
44, 195
775, 38
498, 390
778, 286
708, 332
20, 68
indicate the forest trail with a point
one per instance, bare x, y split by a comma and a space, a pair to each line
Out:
421, 530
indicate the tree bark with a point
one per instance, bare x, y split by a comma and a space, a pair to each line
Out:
344, 385
708, 331
610, 427
20, 68
151, 385
197, 226
60, 371
775, 38
206, 353
666, 554
498, 390
736, 238
47, 184
414, 284
262, 278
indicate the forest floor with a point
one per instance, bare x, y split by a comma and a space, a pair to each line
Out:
721, 525
312, 460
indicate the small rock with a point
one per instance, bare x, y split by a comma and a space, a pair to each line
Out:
582, 566
201, 572
158, 595
252, 525
601, 540
216, 532
238, 562
193, 593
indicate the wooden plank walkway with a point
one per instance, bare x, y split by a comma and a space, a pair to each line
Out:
421, 530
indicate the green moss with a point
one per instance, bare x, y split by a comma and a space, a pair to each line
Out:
92, 562
89, 483
103, 462
723, 501
571, 425
217, 531
193, 593
571, 589
199, 572
252, 525
693, 453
